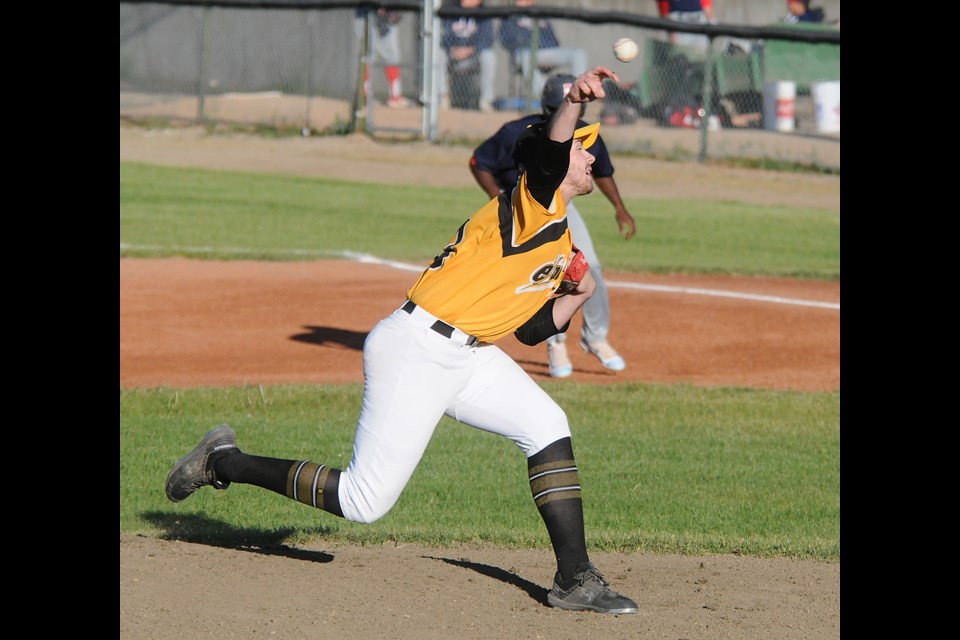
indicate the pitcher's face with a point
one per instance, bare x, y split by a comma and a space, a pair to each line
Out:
580, 171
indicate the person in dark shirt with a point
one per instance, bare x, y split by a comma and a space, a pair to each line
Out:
692, 11
516, 36
384, 46
800, 11
468, 42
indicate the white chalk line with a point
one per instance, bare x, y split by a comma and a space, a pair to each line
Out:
403, 266
723, 294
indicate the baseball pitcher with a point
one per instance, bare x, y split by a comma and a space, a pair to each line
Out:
511, 268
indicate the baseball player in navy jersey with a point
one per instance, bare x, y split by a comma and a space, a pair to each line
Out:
510, 269
495, 170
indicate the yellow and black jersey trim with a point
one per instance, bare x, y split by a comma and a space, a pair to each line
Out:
550, 233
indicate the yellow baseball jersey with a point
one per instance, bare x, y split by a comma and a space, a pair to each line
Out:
500, 267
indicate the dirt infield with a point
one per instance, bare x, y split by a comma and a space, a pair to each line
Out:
190, 323
187, 323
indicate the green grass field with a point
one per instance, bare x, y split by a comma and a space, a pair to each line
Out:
665, 468
227, 215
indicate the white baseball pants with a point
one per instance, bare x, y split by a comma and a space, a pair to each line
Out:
412, 377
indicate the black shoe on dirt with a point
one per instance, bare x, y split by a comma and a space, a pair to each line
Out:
588, 591
195, 469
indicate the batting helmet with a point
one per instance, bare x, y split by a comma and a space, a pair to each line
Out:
554, 91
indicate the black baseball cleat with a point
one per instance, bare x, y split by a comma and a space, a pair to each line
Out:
588, 591
195, 469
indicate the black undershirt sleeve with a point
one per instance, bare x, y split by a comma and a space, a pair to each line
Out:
545, 162
545, 179
540, 326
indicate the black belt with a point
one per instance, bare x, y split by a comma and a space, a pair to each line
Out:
442, 327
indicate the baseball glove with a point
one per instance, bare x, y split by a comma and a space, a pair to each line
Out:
574, 274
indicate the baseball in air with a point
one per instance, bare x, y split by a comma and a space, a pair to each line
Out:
625, 49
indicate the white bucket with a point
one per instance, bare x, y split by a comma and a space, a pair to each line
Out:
826, 101
779, 99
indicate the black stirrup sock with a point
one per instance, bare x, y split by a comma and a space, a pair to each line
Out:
303, 481
555, 485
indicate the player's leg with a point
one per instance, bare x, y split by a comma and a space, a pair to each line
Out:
572, 58
218, 461
442, 76
390, 52
559, 364
578, 61
596, 311
501, 398
488, 70
521, 58
531, 68
410, 375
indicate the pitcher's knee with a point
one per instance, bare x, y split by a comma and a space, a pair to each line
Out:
551, 426
367, 517
365, 504
365, 513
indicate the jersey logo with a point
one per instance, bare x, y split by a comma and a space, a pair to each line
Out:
545, 276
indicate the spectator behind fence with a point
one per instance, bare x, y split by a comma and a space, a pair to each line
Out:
516, 35
467, 44
692, 11
800, 11
384, 47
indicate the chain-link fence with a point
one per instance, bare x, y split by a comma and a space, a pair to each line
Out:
713, 91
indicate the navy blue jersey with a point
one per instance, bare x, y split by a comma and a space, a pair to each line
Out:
467, 32
516, 32
686, 6
495, 154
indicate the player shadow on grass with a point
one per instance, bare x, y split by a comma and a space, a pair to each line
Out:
532, 589
326, 336
199, 529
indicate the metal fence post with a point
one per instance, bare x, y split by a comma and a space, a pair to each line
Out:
311, 56
707, 94
534, 47
358, 118
432, 61
201, 64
